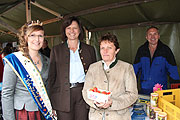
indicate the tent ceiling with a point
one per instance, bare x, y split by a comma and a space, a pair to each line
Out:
95, 14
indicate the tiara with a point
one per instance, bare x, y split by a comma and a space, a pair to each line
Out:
33, 23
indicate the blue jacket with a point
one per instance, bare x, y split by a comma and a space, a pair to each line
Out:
155, 70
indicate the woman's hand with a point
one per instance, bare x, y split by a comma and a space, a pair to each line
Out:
103, 105
54, 115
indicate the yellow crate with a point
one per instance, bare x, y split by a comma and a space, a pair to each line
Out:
169, 102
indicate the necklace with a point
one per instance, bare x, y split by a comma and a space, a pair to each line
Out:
36, 63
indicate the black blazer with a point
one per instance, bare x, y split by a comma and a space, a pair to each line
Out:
59, 87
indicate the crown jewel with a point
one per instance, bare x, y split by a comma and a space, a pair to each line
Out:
33, 23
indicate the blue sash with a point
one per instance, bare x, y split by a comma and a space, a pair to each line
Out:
31, 78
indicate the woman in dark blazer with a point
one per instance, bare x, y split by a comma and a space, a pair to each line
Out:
69, 63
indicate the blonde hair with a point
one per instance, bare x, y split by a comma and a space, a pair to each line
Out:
24, 32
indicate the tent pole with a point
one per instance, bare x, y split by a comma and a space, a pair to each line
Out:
51, 20
87, 36
28, 11
109, 7
5, 25
46, 9
130, 26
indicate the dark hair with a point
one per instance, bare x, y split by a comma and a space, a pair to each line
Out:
151, 28
111, 38
68, 21
9, 45
45, 41
7, 50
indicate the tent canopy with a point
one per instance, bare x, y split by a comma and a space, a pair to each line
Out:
96, 15
127, 19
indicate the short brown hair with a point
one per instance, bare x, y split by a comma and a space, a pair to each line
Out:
151, 28
111, 38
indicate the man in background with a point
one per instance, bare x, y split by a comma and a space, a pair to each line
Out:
7, 50
45, 50
154, 62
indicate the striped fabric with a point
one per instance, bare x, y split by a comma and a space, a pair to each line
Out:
27, 115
